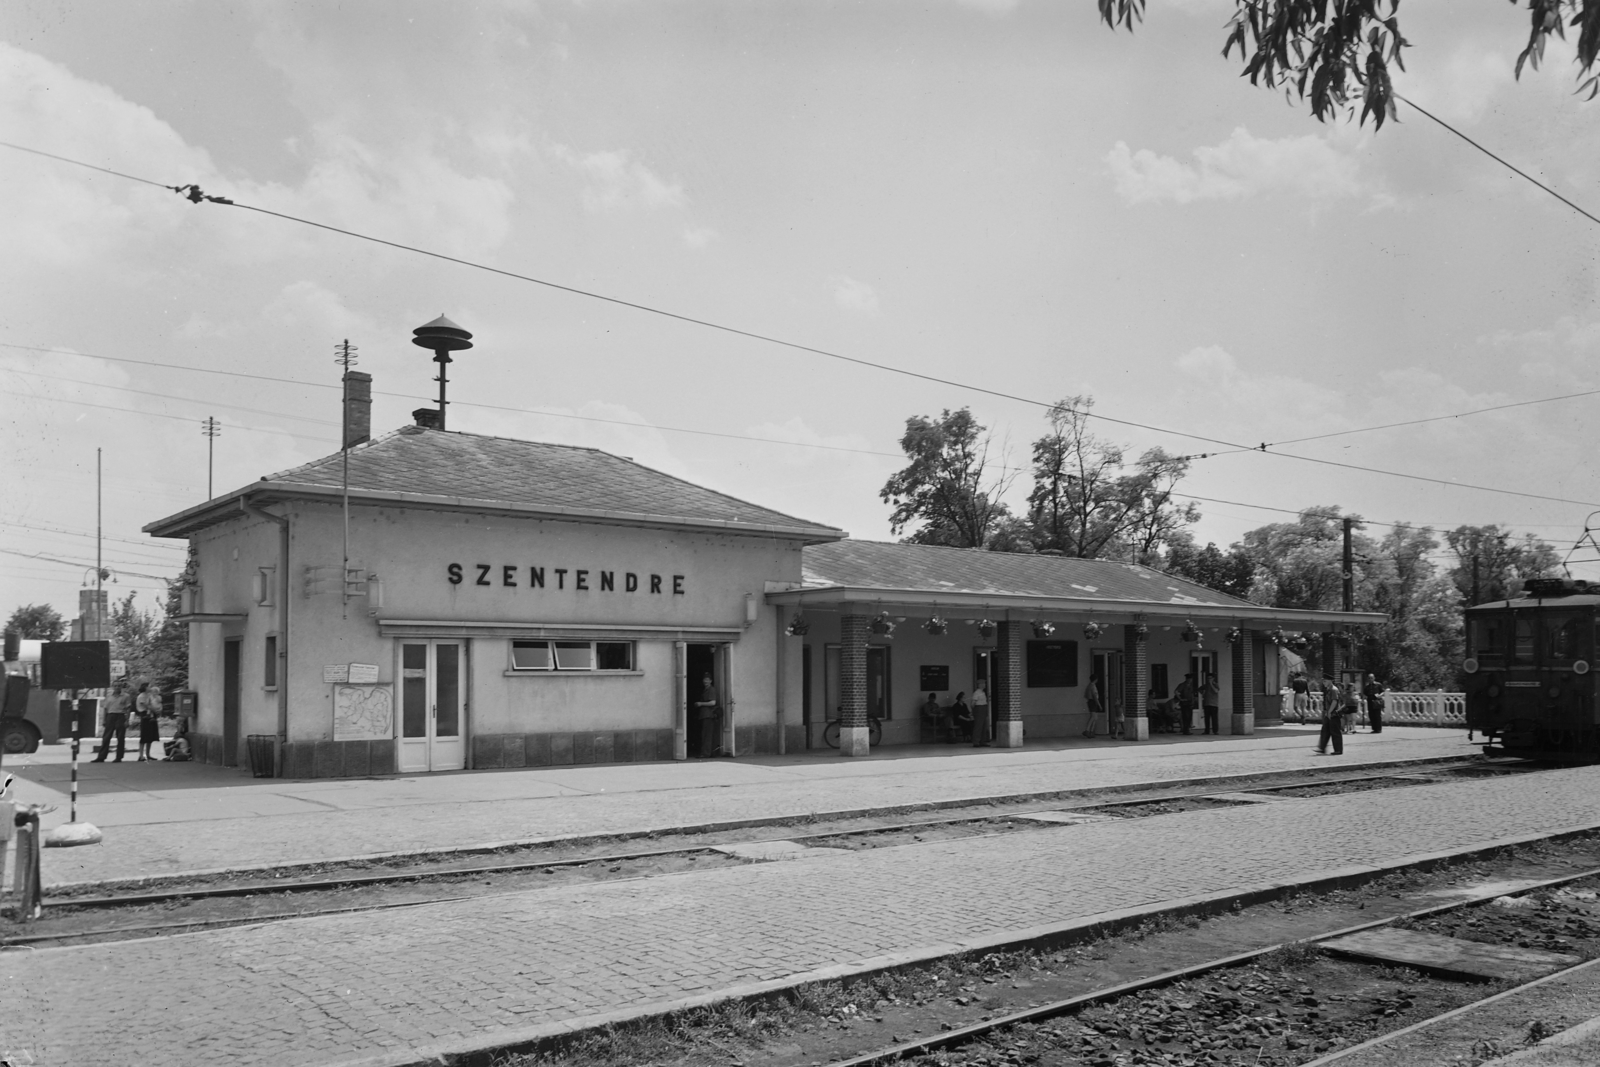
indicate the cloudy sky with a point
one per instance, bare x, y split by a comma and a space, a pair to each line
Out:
999, 193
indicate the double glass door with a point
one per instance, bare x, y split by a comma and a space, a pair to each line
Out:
432, 705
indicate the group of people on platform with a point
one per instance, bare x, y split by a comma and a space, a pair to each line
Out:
960, 721
143, 710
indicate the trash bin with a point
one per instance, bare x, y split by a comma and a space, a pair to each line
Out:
261, 753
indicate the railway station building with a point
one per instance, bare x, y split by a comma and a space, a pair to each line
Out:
450, 600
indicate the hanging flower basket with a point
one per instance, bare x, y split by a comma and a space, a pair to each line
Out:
1092, 630
986, 628
798, 626
1235, 635
936, 626
1043, 629
1191, 634
881, 624
1141, 630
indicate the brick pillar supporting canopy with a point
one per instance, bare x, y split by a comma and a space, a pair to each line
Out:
1244, 683
853, 686
1007, 701
1136, 683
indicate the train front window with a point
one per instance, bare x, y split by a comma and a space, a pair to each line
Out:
1522, 644
1560, 640
1486, 639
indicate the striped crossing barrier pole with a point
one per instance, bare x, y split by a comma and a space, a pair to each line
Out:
77, 710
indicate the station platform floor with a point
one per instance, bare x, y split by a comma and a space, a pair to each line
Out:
415, 985
164, 819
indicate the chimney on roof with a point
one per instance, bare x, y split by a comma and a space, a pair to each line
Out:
428, 418
357, 408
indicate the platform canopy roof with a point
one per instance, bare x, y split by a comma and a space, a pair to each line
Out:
445, 470
920, 580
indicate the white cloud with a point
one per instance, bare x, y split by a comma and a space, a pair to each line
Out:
618, 182
698, 236
991, 7
797, 430
1241, 166
853, 295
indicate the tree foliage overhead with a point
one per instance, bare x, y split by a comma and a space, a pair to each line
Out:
1335, 51
947, 490
1492, 563
1085, 504
37, 622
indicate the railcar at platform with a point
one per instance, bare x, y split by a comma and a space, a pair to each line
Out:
1530, 683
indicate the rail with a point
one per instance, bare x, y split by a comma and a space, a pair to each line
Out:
1401, 709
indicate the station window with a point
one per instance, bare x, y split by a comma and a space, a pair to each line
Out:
572, 655
1159, 682
269, 666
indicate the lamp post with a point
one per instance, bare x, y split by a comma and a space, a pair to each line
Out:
442, 337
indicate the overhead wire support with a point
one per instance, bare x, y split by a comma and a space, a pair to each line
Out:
196, 195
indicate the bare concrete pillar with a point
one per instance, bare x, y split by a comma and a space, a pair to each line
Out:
1007, 705
1136, 682
853, 732
1244, 683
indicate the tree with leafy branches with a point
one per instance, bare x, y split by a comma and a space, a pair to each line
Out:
38, 622
1493, 563
1085, 503
1333, 53
949, 492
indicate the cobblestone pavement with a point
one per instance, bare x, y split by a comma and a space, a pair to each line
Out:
158, 831
343, 989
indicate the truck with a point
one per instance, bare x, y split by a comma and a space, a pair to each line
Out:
30, 716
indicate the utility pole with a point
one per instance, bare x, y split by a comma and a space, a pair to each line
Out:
212, 429
99, 557
1348, 571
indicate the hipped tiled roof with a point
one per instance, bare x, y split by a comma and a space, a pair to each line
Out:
933, 569
414, 465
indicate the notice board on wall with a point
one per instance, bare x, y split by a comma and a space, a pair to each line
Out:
362, 713
934, 678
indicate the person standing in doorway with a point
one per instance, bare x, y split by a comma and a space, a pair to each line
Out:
148, 706
1374, 691
982, 725
1332, 720
1185, 697
1091, 697
116, 723
1208, 701
709, 717
981, 707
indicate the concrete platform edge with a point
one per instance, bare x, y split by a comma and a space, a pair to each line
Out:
1010, 940
714, 827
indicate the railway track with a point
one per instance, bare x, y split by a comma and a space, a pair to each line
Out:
1115, 1035
76, 919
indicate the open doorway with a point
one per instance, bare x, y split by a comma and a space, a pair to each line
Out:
701, 661
1203, 665
1105, 667
232, 695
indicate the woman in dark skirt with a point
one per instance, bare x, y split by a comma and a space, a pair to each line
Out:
148, 705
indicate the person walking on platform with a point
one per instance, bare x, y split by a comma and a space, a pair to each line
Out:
1184, 696
1208, 700
116, 723
1332, 720
1373, 692
1302, 695
707, 716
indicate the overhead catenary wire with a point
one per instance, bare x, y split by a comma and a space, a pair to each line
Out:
195, 195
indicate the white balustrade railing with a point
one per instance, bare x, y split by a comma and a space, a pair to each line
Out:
1403, 709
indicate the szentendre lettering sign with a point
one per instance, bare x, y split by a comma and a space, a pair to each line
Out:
514, 576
